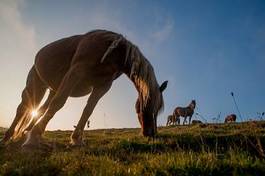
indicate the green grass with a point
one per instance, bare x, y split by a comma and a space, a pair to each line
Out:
217, 149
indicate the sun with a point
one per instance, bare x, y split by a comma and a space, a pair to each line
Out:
34, 113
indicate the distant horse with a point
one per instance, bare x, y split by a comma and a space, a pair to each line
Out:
172, 120
230, 118
80, 65
196, 122
185, 112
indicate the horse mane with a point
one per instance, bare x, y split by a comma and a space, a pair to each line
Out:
141, 73
193, 103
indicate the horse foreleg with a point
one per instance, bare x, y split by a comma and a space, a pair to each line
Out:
189, 119
178, 120
172, 120
69, 82
184, 121
97, 93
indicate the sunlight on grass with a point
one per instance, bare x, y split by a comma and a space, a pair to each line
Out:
182, 150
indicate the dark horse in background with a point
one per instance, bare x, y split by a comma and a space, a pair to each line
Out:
171, 120
81, 65
182, 112
230, 118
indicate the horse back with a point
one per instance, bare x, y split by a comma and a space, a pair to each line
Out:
184, 112
54, 60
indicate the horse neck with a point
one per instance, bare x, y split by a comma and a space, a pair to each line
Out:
145, 91
192, 107
141, 73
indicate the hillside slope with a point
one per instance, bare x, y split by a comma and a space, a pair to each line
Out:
216, 149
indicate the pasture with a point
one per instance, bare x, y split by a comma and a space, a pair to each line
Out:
211, 149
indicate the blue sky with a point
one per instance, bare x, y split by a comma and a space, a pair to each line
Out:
206, 49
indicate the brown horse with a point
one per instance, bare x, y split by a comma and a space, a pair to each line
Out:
185, 112
196, 122
172, 120
230, 118
81, 65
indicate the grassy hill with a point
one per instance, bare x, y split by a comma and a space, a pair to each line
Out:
216, 149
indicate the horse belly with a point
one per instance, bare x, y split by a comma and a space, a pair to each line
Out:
81, 89
180, 112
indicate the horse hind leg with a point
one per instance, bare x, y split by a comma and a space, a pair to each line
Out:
41, 111
168, 121
31, 97
70, 80
176, 117
189, 119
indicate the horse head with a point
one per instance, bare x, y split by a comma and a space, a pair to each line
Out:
147, 115
192, 104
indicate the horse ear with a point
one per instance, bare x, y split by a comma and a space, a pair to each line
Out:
163, 86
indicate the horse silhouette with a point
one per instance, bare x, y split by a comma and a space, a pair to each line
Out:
80, 65
183, 112
196, 122
172, 120
230, 118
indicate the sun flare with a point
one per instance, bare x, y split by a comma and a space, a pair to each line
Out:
34, 113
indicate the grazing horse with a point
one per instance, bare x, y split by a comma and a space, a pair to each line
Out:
185, 112
196, 122
80, 65
230, 118
172, 120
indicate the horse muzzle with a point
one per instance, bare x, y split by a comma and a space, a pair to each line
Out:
149, 132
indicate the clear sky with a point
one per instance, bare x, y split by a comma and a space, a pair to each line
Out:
206, 49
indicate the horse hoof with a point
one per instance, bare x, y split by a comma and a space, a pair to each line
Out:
7, 136
36, 143
30, 144
39, 147
32, 141
77, 143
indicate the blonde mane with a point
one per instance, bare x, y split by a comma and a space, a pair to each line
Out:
142, 74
